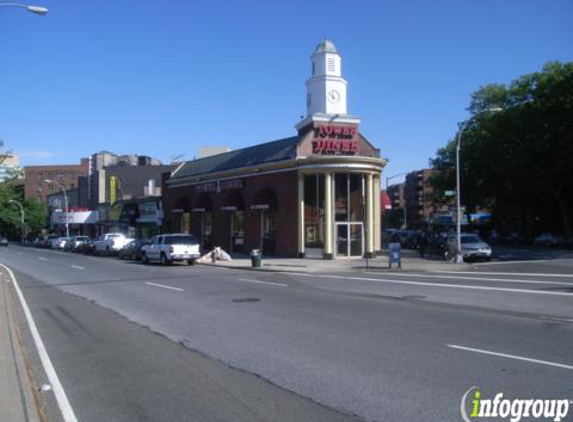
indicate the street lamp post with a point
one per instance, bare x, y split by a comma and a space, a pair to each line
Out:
62, 187
39, 10
393, 177
22, 226
463, 126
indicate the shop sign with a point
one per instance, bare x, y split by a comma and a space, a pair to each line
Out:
112, 191
206, 187
229, 208
231, 184
75, 217
260, 207
335, 140
147, 212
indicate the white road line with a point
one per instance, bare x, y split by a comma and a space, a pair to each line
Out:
501, 280
78, 267
41, 258
532, 261
503, 355
63, 402
508, 274
166, 287
444, 285
19, 253
248, 280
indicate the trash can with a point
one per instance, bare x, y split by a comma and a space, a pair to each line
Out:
256, 258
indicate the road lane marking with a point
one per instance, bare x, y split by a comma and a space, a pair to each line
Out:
63, 402
248, 280
19, 253
166, 287
530, 261
41, 258
508, 274
501, 280
504, 355
78, 267
443, 285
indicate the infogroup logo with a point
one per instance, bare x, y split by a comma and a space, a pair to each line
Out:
514, 409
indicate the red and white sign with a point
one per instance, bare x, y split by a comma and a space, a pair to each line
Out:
75, 217
330, 139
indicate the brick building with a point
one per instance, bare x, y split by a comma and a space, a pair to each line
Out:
314, 194
419, 197
35, 185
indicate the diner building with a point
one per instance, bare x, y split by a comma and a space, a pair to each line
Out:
315, 194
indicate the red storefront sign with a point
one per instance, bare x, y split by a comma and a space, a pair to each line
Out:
332, 139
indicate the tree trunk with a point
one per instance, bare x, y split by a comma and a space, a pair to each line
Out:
565, 212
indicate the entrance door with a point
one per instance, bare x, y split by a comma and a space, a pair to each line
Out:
349, 239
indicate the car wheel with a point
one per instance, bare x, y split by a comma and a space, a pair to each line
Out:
163, 259
144, 259
192, 261
120, 256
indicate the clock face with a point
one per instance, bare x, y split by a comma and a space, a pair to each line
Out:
333, 96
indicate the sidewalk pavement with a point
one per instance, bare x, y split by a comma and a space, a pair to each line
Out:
411, 261
17, 402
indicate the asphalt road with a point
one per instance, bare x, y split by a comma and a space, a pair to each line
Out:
385, 347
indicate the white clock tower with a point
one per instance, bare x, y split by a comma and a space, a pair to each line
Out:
326, 88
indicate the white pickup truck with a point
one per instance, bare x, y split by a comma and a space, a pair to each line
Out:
167, 248
110, 243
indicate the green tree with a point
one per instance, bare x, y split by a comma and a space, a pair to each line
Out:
10, 216
518, 161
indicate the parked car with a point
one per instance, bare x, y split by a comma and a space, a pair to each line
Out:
59, 243
110, 243
513, 239
75, 242
132, 250
167, 248
3, 241
87, 247
472, 247
548, 239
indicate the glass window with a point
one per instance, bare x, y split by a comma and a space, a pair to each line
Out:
269, 225
207, 224
356, 197
314, 210
341, 197
238, 223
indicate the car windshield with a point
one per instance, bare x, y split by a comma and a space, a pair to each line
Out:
180, 240
471, 239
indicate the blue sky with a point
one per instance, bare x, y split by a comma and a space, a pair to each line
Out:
164, 77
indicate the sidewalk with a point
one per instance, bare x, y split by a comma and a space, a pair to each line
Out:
17, 401
411, 261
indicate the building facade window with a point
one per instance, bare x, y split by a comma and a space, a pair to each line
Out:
314, 210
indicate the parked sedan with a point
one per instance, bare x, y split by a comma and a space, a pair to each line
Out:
549, 239
59, 243
132, 250
472, 247
74, 242
3, 241
87, 247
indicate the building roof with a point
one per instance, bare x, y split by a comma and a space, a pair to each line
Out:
325, 46
280, 150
